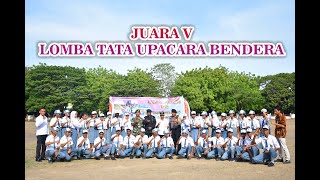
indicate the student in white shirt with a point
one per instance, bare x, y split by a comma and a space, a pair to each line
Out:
101, 125
253, 123
229, 146
216, 146
243, 120
65, 121
270, 145
117, 142
203, 144
83, 123
240, 145
128, 143
107, 126
222, 125
53, 146
141, 143
166, 146
56, 121
185, 124
101, 147
250, 148
214, 123
187, 145
233, 123
66, 145
125, 124
41, 133
115, 123
93, 131
75, 127
194, 126
205, 122
162, 124
153, 144
83, 145
265, 120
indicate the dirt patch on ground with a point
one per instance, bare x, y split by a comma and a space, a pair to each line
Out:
155, 168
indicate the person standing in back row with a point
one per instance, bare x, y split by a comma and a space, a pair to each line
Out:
41, 133
175, 127
149, 123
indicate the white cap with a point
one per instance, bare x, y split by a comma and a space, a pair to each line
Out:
223, 114
231, 112
218, 131
54, 129
118, 129
204, 113
264, 110
101, 131
166, 131
242, 112
230, 130
185, 115
109, 113
193, 112
249, 130
68, 130
251, 112
154, 130
94, 112
85, 131
184, 131
213, 113
126, 114
142, 130
101, 115
57, 112
204, 132
66, 111
243, 131
130, 128
265, 127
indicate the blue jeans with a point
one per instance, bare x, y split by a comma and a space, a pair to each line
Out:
114, 149
254, 150
138, 150
217, 151
150, 152
224, 134
211, 154
265, 157
229, 153
69, 156
213, 134
239, 150
185, 151
50, 153
108, 136
126, 152
74, 136
199, 150
83, 152
163, 151
194, 134
104, 149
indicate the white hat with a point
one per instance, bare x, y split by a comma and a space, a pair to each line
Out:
118, 129
130, 128
57, 112
142, 130
184, 131
264, 110
265, 127
94, 112
126, 114
251, 112
101, 131
166, 131
218, 131
154, 130
204, 113
101, 115
242, 112
249, 130
230, 130
213, 113
204, 132
109, 113
85, 131
54, 129
231, 112
68, 130
193, 112
243, 131
223, 114
185, 115
66, 111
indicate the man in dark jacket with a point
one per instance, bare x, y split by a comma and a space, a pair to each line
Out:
175, 127
149, 123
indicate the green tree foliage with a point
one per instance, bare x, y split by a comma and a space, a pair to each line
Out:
137, 83
279, 89
166, 75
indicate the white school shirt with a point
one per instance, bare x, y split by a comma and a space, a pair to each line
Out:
271, 142
232, 123
215, 121
105, 124
263, 121
83, 124
202, 142
163, 125
65, 139
242, 142
222, 123
194, 122
85, 144
100, 125
253, 124
114, 120
53, 120
144, 139
203, 121
127, 125
65, 120
243, 123
42, 125
52, 138
185, 141
232, 142
185, 125
167, 142
129, 141
215, 141
97, 141
93, 121
75, 123
154, 142
248, 140
117, 140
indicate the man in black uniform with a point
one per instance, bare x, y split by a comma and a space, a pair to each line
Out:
175, 128
149, 123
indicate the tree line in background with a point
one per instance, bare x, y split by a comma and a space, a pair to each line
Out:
206, 89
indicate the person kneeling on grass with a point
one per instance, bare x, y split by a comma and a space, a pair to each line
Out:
187, 145
140, 144
53, 146
101, 147
166, 146
83, 145
117, 142
230, 146
66, 144
203, 144
153, 144
216, 146
270, 145
240, 145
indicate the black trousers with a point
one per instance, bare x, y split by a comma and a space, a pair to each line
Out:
41, 146
175, 136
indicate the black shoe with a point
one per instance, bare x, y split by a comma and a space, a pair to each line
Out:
50, 160
286, 162
267, 162
270, 164
97, 158
279, 160
198, 158
38, 160
113, 158
131, 157
188, 158
43, 158
218, 159
170, 157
